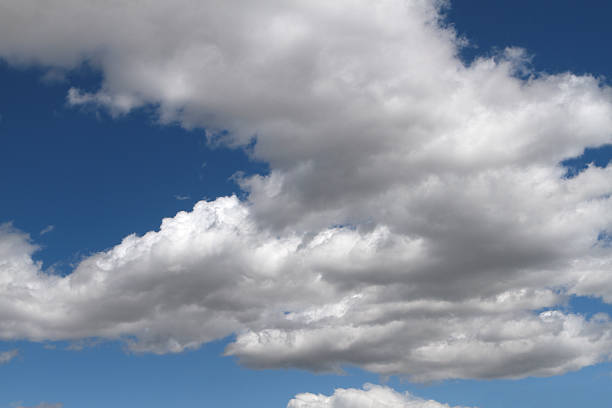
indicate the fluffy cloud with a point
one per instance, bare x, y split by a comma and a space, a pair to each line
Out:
7, 356
370, 396
294, 301
415, 221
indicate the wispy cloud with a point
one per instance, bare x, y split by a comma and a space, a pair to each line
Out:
182, 197
44, 405
7, 356
54, 76
47, 229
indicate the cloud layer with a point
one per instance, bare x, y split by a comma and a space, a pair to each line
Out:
370, 396
415, 221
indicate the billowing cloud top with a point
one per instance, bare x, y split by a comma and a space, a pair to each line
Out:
371, 396
415, 221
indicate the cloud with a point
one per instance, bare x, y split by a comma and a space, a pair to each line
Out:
182, 197
46, 230
370, 396
7, 356
44, 405
294, 301
415, 221
54, 76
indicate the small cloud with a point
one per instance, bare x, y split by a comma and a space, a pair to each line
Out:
47, 229
182, 197
7, 356
117, 104
49, 346
54, 76
76, 346
370, 396
80, 345
44, 405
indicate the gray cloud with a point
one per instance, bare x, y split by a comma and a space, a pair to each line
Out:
415, 214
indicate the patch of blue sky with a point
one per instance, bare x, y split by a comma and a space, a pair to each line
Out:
592, 386
97, 179
599, 156
104, 375
588, 306
561, 35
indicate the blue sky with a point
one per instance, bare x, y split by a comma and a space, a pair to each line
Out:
98, 171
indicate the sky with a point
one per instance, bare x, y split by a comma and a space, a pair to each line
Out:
305, 204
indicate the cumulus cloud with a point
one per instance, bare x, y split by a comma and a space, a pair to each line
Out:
370, 396
7, 356
415, 221
294, 301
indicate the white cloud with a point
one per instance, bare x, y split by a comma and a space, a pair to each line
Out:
458, 226
7, 356
371, 396
294, 300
